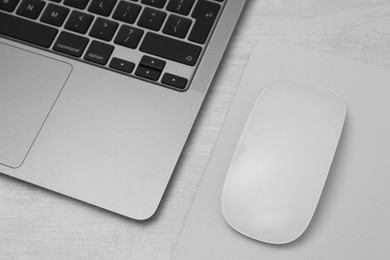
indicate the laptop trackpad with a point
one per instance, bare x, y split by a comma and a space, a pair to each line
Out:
29, 86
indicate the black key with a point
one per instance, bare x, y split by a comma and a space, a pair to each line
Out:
177, 26
122, 65
58, 1
99, 52
71, 44
30, 8
152, 19
103, 29
205, 13
102, 7
180, 6
126, 12
174, 81
54, 15
169, 48
153, 63
79, 22
80, 4
129, 36
26, 30
148, 73
8, 5
155, 3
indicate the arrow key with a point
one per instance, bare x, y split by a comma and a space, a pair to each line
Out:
153, 63
147, 73
174, 81
122, 65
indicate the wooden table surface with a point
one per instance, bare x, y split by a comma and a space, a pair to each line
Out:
38, 224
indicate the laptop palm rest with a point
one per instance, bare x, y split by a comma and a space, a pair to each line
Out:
29, 86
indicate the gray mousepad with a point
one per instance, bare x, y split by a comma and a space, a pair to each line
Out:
352, 218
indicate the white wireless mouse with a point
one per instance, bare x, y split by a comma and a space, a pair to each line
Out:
282, 161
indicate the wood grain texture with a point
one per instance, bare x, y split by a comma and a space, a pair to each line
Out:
38, 224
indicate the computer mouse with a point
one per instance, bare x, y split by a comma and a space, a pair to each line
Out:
282, 161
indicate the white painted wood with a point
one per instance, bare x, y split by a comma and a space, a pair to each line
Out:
38, 224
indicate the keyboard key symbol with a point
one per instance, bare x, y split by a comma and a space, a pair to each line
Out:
129, 35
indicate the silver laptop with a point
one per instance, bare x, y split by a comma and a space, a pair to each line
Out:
98, 97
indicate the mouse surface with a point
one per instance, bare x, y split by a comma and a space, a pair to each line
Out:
282, 160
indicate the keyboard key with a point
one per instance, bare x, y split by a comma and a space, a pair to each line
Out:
205, 13
80, 4
153, 63
54, 15
8, 5
71, 44
127, 12
79, 22
152, 19
174, 81
102, 7
122, 65
180, 6
129, 36
154, 3
148, 73
26, 30
30, 8
169, 48
177, 26
99, 52
103, 29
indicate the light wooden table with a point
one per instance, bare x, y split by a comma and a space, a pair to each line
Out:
38, 224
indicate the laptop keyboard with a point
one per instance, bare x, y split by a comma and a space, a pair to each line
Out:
161, 41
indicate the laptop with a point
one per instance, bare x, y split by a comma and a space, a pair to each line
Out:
98, 97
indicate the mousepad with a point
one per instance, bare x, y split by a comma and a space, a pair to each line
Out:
352, 218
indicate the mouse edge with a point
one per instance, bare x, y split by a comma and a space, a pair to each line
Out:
268, 86
289, 240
